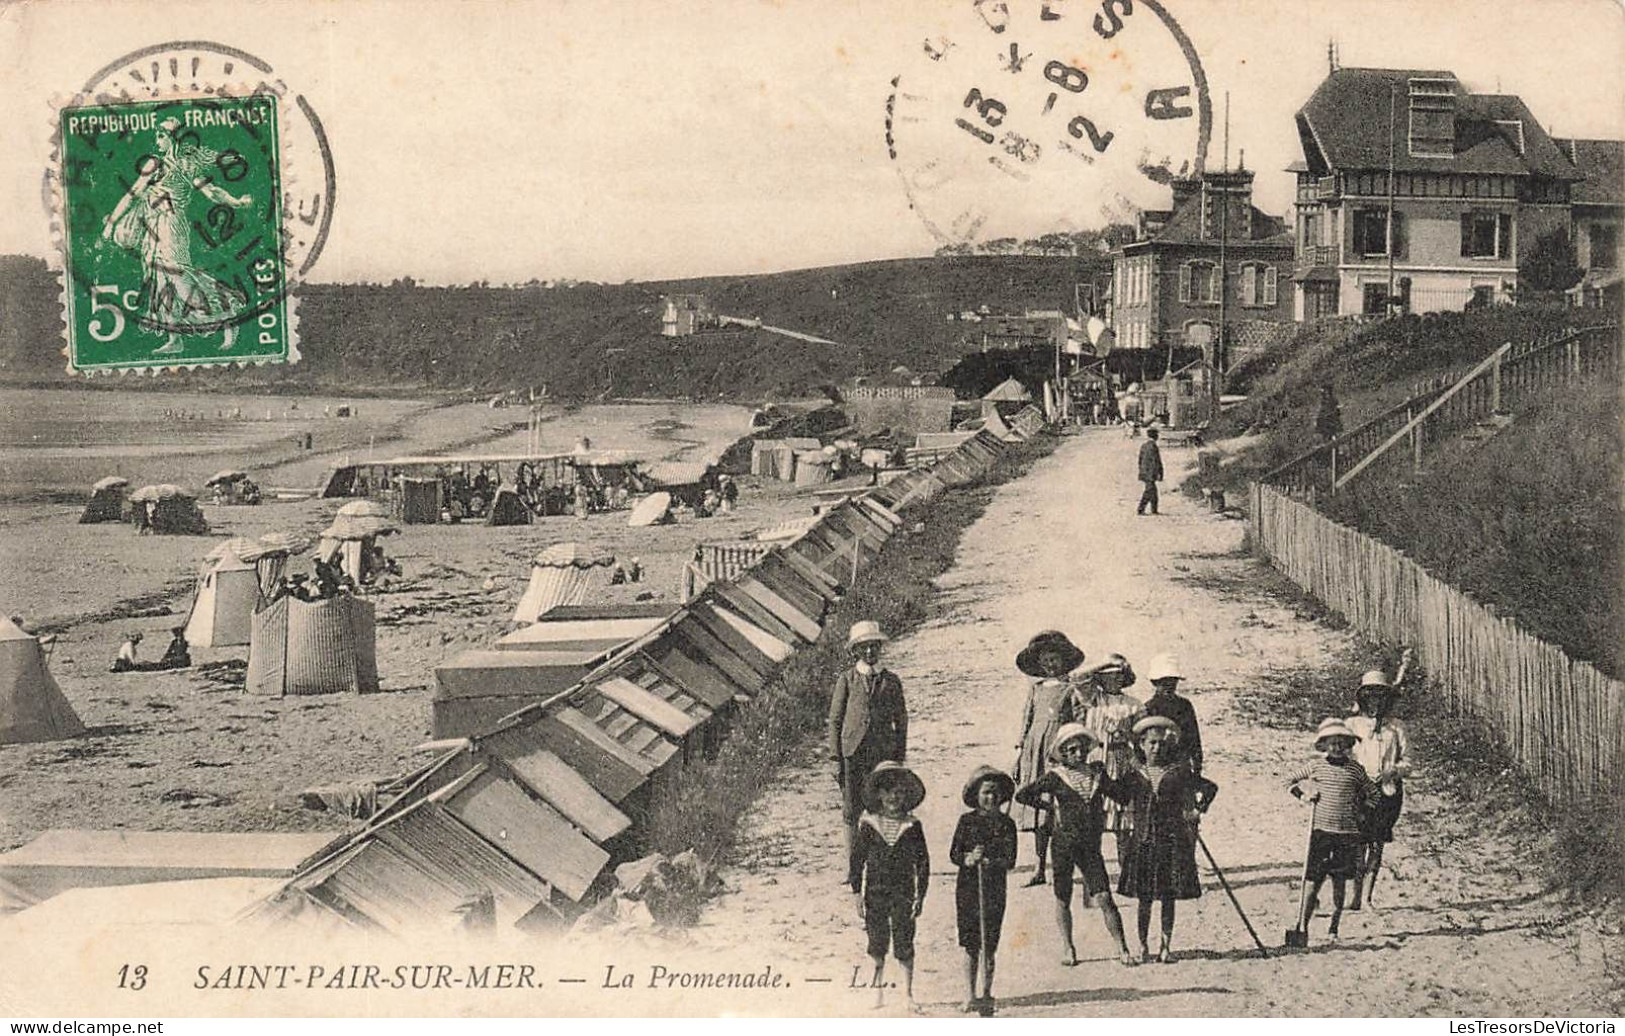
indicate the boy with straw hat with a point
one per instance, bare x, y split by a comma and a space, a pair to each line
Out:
1342, 793
868, 720
1384, 751
890, 870
984, 850
1073, 787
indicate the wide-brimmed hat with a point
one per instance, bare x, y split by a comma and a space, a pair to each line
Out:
1069, 732
1156, 721
1333, 727
1116, 663
973, 786
1051, 640
865, 632
1163, 667
1375, 678
889, 772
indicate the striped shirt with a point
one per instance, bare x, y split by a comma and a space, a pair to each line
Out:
1345, 791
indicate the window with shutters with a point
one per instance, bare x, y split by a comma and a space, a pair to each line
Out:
1271, 285
1370, 232
1199, 282
1259, 285
1486, 235
1249, 285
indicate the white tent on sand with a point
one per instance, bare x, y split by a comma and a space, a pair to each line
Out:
223, 608
32, 706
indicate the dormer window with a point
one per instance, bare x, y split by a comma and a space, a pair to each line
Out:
1432, 118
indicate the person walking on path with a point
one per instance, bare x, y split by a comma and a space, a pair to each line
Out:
1342, 793
1166, 701
1329, 414
1074, 789
1048, 658
890, 869
1384, 751
1159, 863
1150, 471
868, 720
1109, 715
984, 850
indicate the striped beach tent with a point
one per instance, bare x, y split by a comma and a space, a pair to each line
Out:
313, 647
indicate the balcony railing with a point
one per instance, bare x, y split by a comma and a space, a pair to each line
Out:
1310, 256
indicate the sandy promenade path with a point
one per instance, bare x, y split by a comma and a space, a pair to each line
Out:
1460, 931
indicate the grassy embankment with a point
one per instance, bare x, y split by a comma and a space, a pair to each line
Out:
785, 722
1528, 523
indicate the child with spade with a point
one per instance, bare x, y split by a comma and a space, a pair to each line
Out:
984, 850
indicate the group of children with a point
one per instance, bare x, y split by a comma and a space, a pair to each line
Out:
1091, 760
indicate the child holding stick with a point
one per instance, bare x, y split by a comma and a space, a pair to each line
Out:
1384, 751
1341, 794
890, 870
1169, 799
1074, 788
984, 850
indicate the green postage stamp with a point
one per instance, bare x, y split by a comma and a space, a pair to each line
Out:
172, 227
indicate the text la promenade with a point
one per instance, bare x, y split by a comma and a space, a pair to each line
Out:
470, 976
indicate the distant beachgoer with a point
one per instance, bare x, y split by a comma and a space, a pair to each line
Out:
1329, 416
128, 653
178, 655
729, 493
1150, 471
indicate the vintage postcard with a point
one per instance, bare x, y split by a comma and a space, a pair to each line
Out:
813, 508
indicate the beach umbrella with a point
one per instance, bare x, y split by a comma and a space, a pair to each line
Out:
163, 491
229, 475
650, 510
110, 482
234, 547
274, 543
363, 509
356, 527
561, 574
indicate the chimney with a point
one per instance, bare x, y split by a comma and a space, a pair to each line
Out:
1227, 198
1432, 117
1184, 188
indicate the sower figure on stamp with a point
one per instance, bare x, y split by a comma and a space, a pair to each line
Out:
868, 720
152, 220
1150, 471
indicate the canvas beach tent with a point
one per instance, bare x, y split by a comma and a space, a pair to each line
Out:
561, 574
313, 647
1009, 391
353, 532
106, 502
32, 706
223, 608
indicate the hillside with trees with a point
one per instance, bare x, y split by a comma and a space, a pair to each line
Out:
586, 340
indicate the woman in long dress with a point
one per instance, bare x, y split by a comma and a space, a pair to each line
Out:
151, 219
1048, 658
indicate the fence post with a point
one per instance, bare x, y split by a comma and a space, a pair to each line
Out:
1334, 467
1574, 355
1495, 387
1416, 439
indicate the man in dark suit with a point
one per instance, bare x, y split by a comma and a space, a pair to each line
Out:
868, 721
1150, 471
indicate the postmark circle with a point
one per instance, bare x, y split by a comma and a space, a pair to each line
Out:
192, 188
1016, 116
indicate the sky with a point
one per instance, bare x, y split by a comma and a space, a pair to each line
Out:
616, 140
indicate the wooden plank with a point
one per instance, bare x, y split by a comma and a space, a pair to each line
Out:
716, 653
698, 679
647, 707
783, 580
792, 617
745, 604
776, 648
554, 780
735, 641
822, 581
529, 831
592, 753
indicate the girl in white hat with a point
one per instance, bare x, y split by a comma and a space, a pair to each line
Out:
1342, 793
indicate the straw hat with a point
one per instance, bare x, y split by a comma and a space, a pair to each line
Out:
973, 786
1051, 640
1068, 733
1333, 727
1375, 678
888, 773
1163, 667
1116, 663
865, 632
1156, 721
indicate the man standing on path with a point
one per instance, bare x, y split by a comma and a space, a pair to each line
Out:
868, 721
1150, 471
